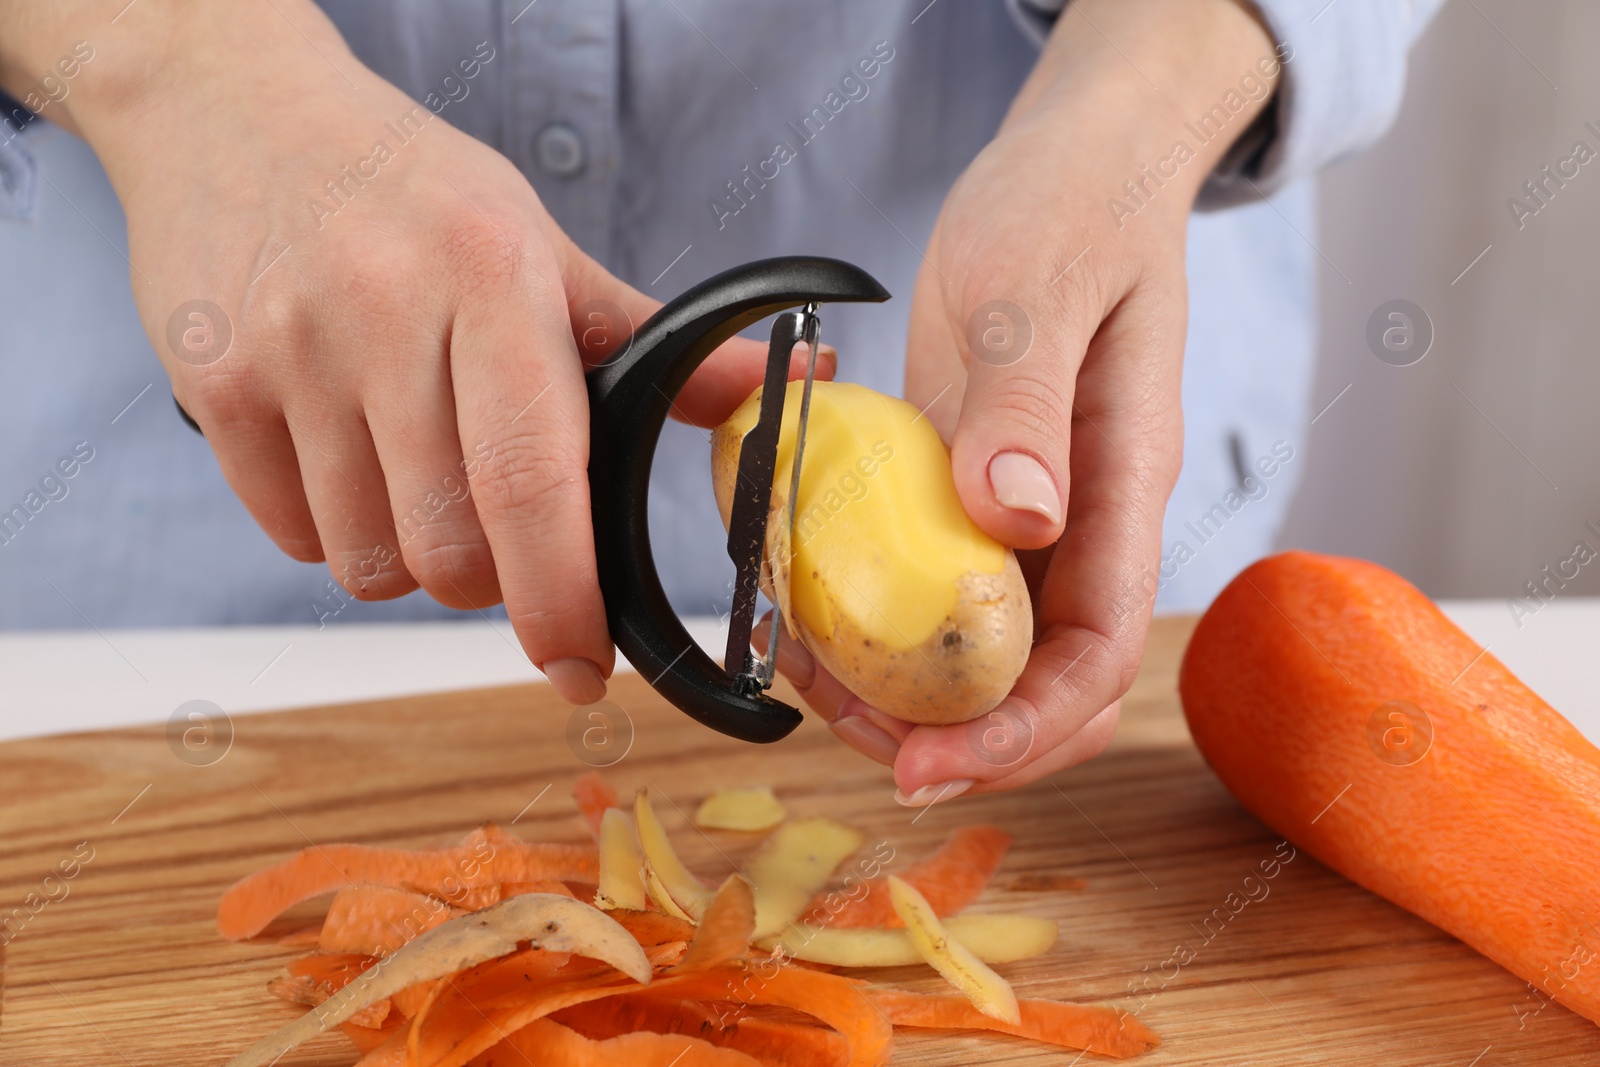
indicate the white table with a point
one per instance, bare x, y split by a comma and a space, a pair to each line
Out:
66, 681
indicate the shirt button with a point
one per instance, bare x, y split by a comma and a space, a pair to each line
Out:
560, 150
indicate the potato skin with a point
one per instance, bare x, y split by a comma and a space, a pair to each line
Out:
962, 670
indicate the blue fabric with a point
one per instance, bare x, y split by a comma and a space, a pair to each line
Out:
17, 171
665, 103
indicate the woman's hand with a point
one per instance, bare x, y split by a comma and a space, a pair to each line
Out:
1046, 343
371, 316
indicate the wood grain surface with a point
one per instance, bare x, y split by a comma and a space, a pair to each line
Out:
121, 963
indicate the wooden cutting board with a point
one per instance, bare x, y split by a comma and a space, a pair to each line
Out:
124, 966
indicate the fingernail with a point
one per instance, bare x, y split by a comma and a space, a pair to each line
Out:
866, 739
932, 794
795, 662
1019, 481
577, 679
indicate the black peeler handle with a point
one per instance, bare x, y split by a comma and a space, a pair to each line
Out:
629, 398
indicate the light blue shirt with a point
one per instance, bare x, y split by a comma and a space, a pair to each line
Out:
640, 123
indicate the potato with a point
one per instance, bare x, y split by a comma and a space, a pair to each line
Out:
888, 583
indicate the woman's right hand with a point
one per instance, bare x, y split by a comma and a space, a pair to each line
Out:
366, 310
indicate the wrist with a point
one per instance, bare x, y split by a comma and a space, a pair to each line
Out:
1165, 87
160, 63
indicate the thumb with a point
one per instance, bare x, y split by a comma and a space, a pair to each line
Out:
1022, 346
605, 311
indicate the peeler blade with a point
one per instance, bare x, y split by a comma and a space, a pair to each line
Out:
811, 333
747, 524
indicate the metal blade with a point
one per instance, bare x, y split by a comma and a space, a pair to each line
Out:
752, 497
811, 332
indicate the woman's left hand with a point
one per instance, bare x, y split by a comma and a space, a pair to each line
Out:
1046, 344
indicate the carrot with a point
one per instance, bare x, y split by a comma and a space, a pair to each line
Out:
377, 919
335, 969
366, 1038
594, 795
950, 879
313, 979
724, 931
653, 927
550, 1044
460, 1023
410, 1000
1340, 706
840, 1003
1100, 1030
254, 901
305, 937
626, 1012
459, 1028
783, 1043
492, 832
780, 1043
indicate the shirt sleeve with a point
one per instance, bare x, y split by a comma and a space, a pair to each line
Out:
17, 168
1342, 71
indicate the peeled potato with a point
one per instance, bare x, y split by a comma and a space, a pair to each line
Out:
888, 582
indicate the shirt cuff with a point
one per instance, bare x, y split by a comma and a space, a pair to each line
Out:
1341, 67
1342, 75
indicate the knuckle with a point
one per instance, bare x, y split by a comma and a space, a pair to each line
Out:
223, 397
1107, 664
1075, 297
371, 573
457, 570
1030, 406
532, 469
276, 316
550, 627
487, 255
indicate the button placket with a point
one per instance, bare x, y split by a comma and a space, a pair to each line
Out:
560, 150
561, 121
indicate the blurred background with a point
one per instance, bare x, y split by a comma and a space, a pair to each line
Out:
1473, 469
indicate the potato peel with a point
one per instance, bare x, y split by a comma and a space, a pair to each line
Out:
749, 810
555, 923
792, 865
988, 992
676, 882
621, 864
534, 974
661, 898
992, 938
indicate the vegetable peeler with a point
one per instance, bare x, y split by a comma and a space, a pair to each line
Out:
629, 398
